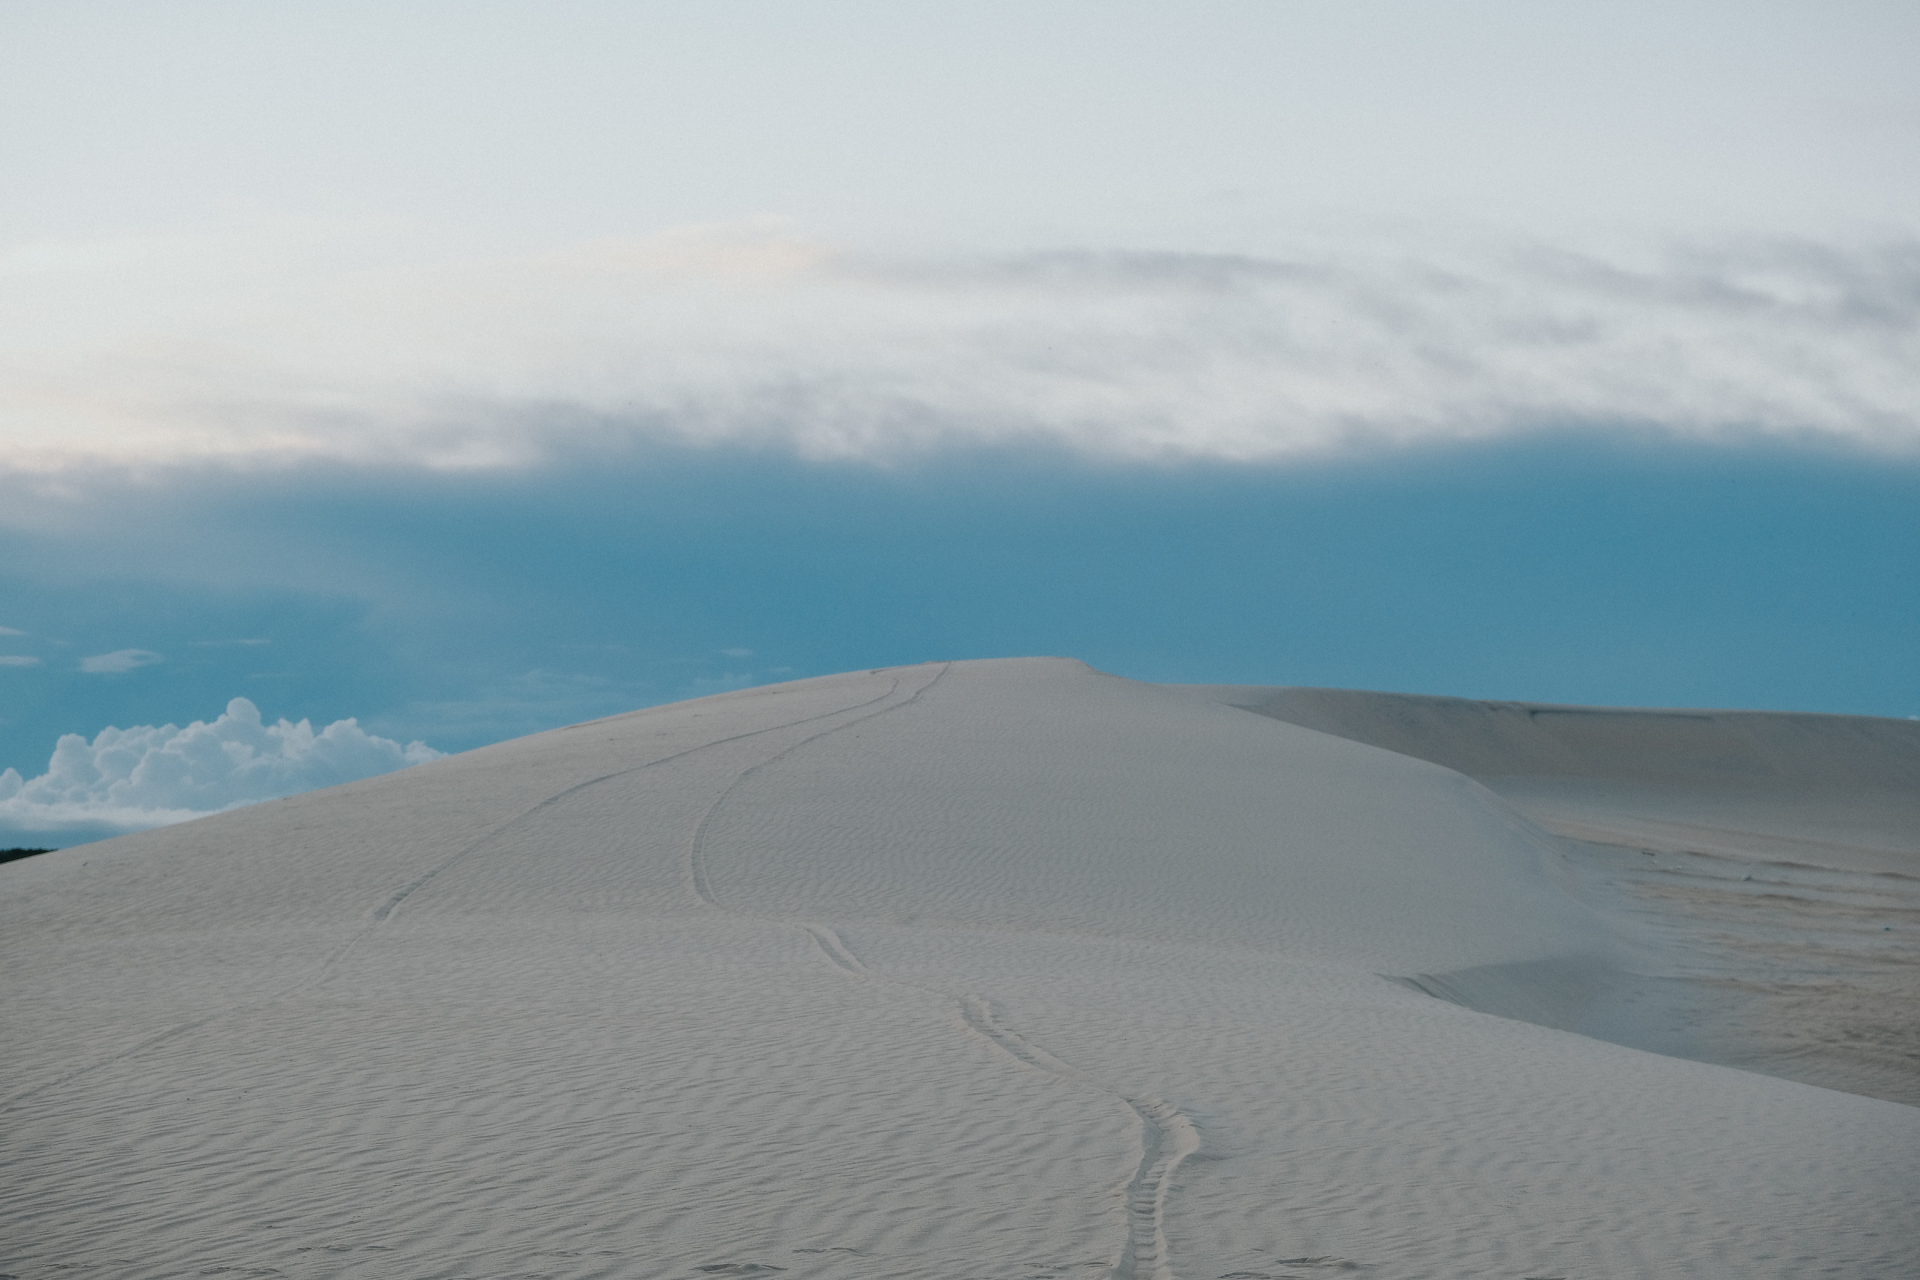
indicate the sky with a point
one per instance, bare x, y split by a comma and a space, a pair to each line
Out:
381, 383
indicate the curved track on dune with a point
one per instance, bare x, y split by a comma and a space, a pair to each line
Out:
380, 914
1166, 1136
696, 865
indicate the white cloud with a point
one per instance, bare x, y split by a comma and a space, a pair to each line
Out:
737, 653
9, 631
147, 776
17, 660
119, 662
750, 333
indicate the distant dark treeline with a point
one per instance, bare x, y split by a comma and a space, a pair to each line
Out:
8, 855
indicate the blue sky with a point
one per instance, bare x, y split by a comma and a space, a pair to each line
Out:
483, 368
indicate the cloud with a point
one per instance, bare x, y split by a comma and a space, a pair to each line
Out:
119, 662
147, 776
737, 653
9, 631
17, 660
752, 334
230, 644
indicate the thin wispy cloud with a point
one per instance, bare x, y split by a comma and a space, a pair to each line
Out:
750, 333
119, 662
148, 775
9, 631
18, 660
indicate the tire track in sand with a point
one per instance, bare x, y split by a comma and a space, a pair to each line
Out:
696, 845
384, 912
1166, 1136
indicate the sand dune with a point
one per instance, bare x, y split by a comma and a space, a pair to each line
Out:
964, 970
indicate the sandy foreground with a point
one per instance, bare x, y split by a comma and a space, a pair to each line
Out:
1004, 970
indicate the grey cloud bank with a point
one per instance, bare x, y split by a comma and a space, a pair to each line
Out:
1248, 233
750, 333
147, 776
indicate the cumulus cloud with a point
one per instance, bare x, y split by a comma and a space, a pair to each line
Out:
754, 334
148, 776
119, 662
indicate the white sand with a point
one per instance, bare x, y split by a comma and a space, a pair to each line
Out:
999, 969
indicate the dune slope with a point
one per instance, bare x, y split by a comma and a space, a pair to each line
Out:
1761, 869
965, 970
